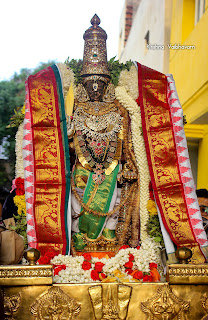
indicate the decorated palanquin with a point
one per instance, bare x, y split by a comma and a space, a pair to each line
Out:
126, 145
103, 165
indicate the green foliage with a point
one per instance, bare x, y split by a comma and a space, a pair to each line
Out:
16, 119
154, 230
76, 66
20, 227
115, 68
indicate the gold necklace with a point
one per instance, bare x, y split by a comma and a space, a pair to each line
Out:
96, 108
100, 213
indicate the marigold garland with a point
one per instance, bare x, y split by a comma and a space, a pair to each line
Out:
20, 202
151, 207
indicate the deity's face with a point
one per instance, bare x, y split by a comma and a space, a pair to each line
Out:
203, 205
95, 89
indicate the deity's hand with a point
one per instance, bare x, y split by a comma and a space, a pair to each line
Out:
127, 175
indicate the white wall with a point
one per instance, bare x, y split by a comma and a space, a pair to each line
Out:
150, 16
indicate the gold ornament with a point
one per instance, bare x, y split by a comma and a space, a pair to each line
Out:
183, 254
81, 93
165, 305
11, 305
55, 305
109, 303
32, 255
109, 95
95, 53
205, 305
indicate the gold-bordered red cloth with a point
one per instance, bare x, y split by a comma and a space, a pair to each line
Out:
51, 161
162, 160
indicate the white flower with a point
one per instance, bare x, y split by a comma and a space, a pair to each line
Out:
19, 168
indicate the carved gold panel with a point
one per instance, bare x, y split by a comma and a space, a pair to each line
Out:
55, 304
165, 305
205, 305
15, 275
11, 305
187, 274
110, 301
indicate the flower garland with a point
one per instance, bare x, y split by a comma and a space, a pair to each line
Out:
129, 80
19, 201
19, 168
140, 154
18, 183
128, 265
67, 77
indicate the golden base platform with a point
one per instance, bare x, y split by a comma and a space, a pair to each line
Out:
27, 292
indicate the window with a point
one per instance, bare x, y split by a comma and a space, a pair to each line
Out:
147, 38
199, 9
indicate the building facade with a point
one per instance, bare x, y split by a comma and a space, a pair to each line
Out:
190, 69
143, 37
169, 36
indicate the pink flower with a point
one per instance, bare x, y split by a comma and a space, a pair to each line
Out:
58, 268
20, 190
153, 265
138, 275
131, 257
147, 278
95, 275
86, 265
99, 266
124, 247
128, 265
87, 256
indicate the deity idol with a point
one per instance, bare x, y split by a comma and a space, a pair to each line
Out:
93, 153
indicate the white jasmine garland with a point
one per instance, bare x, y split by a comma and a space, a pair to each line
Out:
129, 80
140, 154
67, 77
19, 168
148, 253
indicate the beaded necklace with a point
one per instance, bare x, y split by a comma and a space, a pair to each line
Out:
96, 139
98, 127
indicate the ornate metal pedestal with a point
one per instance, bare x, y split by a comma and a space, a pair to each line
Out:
27, 293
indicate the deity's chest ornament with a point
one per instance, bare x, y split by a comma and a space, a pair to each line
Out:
97, 143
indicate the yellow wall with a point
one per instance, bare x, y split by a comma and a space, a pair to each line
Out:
190, 67
202, 180
190, 71
188, 18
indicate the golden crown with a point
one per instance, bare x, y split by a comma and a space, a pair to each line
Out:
95, 64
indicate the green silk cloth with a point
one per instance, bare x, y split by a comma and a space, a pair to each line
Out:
98, 198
